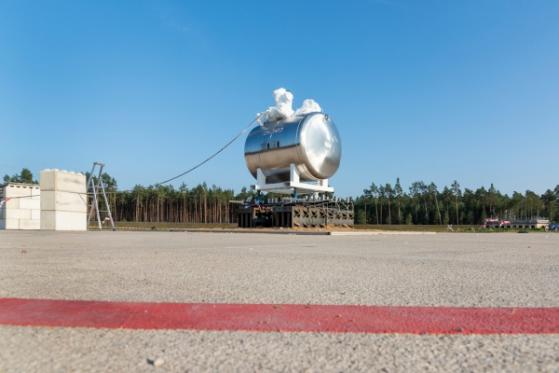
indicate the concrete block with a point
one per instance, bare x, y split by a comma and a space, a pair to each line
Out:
17, 190
63, 201
29, 224
36, 215
63, 181
63, 220
22, 208
12, 203
48, 220
11, 224
30, 203
18, 214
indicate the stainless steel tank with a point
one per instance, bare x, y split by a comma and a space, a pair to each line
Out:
311, 142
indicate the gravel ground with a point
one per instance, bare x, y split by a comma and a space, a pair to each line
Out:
181, 351
443, 269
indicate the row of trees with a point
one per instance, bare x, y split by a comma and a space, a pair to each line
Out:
165, 203
201, 204
427, 204
385, 203
25, 176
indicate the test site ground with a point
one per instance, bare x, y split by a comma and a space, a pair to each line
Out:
463, 270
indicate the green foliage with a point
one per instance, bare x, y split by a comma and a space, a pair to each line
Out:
426, 204
360, 217
164, 203
409, 219
446, 219
381, 203
25, 176
108, 181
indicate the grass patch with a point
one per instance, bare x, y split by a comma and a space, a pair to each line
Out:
162, 226
441, 228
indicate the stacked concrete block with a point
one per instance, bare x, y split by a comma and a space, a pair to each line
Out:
20, 206
63, 200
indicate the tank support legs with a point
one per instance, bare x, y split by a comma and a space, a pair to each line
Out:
293, 174
294, 185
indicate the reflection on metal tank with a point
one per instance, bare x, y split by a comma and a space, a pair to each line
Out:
310, 142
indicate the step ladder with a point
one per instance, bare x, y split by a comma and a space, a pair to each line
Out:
96, 188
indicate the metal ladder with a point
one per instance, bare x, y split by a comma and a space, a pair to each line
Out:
97, 188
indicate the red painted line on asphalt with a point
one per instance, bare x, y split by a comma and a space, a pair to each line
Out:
284, 317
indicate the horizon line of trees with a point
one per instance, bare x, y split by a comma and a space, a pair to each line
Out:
427, 204
422, 203
25, 176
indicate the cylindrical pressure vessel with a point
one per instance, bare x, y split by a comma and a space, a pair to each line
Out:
311, 142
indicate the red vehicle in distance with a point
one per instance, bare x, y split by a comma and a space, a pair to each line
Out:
497, 223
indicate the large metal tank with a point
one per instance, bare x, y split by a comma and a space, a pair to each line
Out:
310, 142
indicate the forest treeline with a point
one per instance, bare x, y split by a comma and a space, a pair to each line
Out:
386, 203
424, 203
201, 204
421, 203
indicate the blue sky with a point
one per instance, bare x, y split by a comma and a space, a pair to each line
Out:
423, 90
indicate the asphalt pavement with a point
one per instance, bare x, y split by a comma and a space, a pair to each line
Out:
465, 270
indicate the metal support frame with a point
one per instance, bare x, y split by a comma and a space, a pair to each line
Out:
297, 214
294, 185
98, 190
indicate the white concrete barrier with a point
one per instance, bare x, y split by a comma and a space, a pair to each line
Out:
63, 181
22, 207
63, 200
63, 221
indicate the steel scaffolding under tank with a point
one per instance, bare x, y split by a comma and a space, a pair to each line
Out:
297, 214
